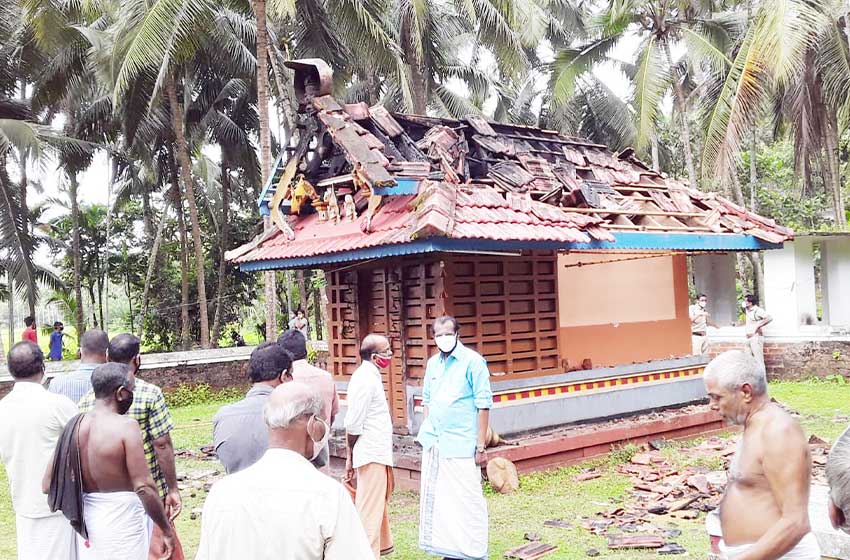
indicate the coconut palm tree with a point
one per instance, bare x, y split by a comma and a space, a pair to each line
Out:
662, 27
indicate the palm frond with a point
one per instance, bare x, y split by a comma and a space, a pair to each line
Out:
450, 104
570, 64
155, 38
733, 108
651, 81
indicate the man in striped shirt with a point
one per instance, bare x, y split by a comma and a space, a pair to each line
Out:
93, 346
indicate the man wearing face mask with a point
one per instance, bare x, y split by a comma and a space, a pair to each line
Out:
457, 398
757, 319
282, 506
239, 436
117, 487
699, 324
369, 435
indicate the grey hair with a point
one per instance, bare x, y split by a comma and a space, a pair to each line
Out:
838, 472
735, 368
280, 413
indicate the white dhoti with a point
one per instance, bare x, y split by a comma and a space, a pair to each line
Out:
806, 549
699, 344
45, 537
755, 344
452, 508
117, 527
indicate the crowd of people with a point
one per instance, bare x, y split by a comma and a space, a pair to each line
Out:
91, 464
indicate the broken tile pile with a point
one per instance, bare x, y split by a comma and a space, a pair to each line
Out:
662, 493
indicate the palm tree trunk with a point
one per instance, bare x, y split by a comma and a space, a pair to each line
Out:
755, 261
184, 160
147, 215
681, 108
418, 78
753, 172
223, 244
833, 163
287, 96
75, 248
656, 160
185, 335
317, 313
265, 148
302, 291
152, 259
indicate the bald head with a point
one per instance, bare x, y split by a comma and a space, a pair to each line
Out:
93, 346
25, 360
736, 368
373, 344
289, 402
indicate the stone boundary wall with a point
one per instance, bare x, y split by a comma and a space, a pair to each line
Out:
796, 358
219, 368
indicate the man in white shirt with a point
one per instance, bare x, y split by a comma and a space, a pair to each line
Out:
31, 421
281, 506
757, 319
369, 435
700, 322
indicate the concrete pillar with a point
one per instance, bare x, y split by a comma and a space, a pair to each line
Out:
789, 285
714, 276
836, 280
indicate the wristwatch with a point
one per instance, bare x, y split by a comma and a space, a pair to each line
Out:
480, 449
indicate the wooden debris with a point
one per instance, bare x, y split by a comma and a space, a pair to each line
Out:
557, 523
619, 542
588, 476
671, 548
530, 551
386, 122
480, 125
684, 514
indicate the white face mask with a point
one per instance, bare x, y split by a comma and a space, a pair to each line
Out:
319, 445
446, 342
702, 304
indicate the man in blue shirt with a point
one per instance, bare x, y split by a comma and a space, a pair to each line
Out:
457, 399
56, 341
93, 346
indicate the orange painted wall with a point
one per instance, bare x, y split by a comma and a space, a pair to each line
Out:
612, 343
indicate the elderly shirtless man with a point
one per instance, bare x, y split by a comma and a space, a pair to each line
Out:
116, 482
764, 512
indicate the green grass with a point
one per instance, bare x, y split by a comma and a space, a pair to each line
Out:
824, 406
549, 495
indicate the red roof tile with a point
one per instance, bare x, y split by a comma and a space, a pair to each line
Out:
517, 183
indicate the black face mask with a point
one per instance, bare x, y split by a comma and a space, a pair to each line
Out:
124, 406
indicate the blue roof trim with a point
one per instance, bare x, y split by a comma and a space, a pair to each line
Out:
261, 202
405, 185
624, 241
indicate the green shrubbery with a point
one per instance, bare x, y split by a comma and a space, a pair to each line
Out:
188, 395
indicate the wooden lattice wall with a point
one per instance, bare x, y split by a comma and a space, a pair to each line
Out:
397, 298
507, 308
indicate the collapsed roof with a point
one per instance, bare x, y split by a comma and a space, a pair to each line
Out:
364, 183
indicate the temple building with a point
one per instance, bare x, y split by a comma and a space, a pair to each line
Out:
565, 263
